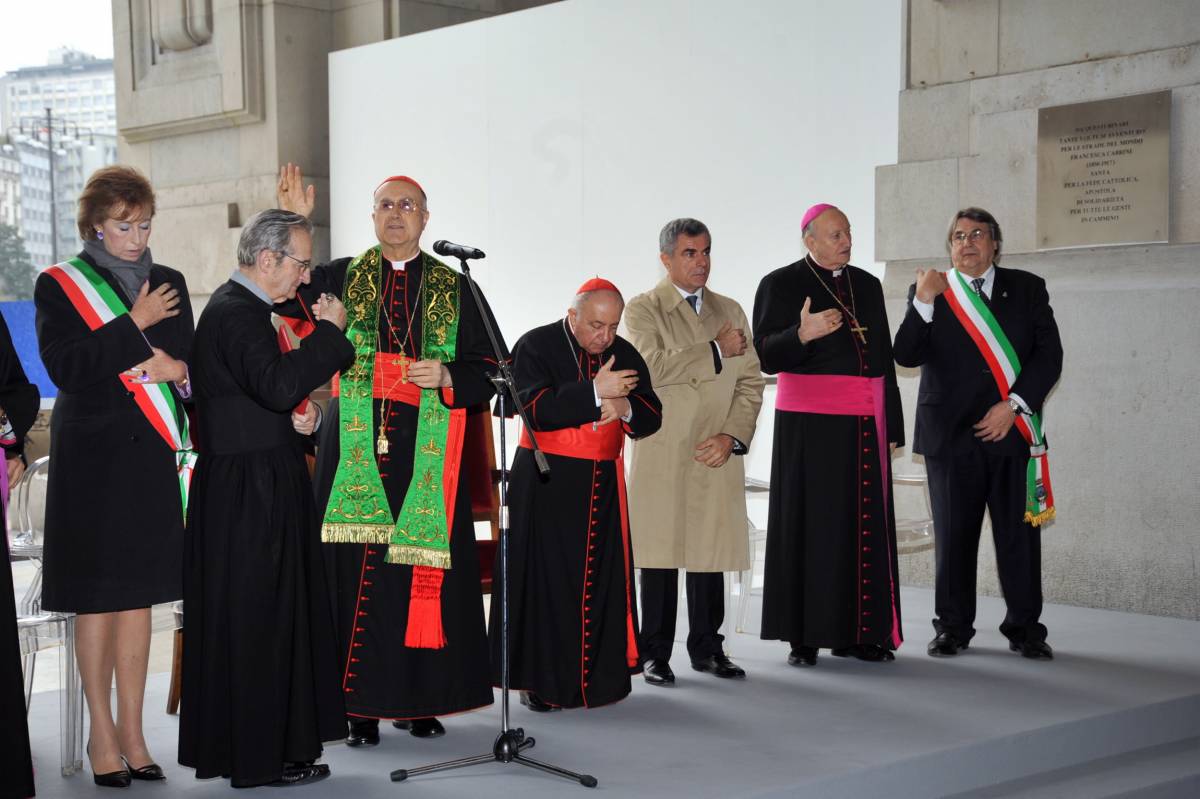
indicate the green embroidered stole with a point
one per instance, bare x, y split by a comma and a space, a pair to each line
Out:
358, 510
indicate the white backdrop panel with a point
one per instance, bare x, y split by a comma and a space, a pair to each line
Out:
560, 139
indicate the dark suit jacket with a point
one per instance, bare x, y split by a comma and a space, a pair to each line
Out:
957, 388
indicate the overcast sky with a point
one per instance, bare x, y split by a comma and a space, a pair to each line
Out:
30, 29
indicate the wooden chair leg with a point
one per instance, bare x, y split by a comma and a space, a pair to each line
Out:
176, 668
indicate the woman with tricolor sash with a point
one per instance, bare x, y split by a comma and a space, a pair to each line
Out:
114, 329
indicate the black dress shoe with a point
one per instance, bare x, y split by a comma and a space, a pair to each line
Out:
802, 656
872, 653
945, 645
421, 728
111, 779
719, 665
657, 671
535, 703
150, 773
363, 732
1034, 650
302, 773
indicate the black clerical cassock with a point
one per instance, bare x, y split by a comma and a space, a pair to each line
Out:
572, 611
260, 669
830, 578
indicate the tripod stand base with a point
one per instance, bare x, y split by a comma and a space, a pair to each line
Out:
507, 749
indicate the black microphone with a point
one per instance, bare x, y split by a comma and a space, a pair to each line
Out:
450, 249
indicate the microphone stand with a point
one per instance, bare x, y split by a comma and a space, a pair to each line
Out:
511, 742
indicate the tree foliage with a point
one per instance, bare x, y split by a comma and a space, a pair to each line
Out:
16, 267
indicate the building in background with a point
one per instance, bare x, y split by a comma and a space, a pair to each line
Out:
10, 188
75, 86
59, 116
214, 96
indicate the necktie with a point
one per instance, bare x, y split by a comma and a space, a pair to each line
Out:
977, 284
693, 301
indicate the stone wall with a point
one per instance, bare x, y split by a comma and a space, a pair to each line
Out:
1122, 422
213, 95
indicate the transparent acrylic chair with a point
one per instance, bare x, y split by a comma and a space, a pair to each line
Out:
37, 629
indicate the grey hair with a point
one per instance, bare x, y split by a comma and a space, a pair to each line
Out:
269, 231
581, 300
977, 214
671, 232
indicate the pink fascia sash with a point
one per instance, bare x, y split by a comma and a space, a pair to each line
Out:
843, 395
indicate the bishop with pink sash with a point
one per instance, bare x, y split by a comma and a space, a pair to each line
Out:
831, 573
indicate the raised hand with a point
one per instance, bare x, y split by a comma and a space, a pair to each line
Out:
731, 340
291, 193
817, 325
930, 283
152, 307
617, 383
158, 368
329, 307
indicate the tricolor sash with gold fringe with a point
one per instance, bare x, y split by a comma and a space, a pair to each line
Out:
981, 325
358, 510
98, 304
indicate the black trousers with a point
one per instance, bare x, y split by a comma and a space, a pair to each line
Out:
660, 602
960, 487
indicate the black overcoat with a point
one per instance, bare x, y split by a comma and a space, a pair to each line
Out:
114, 516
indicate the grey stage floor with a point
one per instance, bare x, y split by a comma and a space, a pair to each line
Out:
915, 727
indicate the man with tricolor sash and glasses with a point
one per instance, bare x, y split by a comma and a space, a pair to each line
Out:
989, 352
399, 535
830, 578
573, 631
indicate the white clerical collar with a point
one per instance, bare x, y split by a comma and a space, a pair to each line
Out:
989, 280
835, 272
399, 266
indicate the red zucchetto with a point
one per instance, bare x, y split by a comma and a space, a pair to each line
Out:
404, 178
597, 284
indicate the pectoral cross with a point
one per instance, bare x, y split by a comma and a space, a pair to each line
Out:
860, 330
403, 361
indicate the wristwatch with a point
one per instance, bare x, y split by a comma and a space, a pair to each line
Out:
1016, 406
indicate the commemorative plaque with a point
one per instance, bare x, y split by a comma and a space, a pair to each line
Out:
1103, 172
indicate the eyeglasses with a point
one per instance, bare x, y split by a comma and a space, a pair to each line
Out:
305, 266
961, 236
405, 205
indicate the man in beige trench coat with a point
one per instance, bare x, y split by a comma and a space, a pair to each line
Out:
687, 502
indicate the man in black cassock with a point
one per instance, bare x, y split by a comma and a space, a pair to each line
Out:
830, 578
18, 409
572, 611
386, 669
260, 689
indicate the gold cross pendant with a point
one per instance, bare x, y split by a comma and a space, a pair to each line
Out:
403, 363
861, 331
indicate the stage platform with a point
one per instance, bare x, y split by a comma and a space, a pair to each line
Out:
1117, 713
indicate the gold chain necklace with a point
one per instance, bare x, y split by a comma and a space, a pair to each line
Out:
381, 442
851, 312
